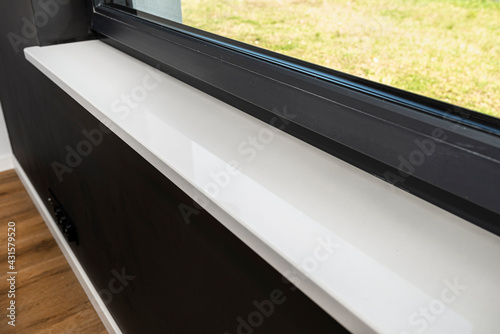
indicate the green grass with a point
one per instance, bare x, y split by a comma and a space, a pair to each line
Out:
444, 49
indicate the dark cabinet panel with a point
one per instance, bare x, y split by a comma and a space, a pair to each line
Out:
155, 271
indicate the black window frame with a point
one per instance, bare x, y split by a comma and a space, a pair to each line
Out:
369, 125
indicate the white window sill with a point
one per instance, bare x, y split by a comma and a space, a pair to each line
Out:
395, 252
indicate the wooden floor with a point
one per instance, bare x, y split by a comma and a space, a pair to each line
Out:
48, 297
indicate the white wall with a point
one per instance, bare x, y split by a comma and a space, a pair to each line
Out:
5, 150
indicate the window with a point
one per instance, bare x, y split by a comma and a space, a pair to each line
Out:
440, 49
441, 152
165, 9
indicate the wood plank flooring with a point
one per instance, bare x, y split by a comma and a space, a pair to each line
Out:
48, 297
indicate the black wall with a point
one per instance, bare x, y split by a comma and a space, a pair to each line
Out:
156, 273
20, 93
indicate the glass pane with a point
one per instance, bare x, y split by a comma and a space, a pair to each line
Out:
445, 49
166, 9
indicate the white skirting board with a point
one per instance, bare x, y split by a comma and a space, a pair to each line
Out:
82, 277
6, 163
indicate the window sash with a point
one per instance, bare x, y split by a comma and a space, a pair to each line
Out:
377, 128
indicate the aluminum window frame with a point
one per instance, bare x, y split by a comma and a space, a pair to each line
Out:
369, 125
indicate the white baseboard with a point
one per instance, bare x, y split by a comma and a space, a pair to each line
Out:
6, 162
82, 277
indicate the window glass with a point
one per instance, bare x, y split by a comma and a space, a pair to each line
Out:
166, 9
444, 49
